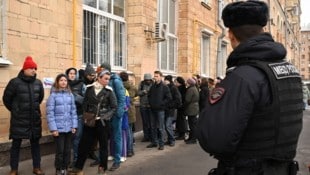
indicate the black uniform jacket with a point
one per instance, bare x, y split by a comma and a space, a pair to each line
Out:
224, 119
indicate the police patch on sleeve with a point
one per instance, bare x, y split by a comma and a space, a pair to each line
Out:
216, 94
284, 70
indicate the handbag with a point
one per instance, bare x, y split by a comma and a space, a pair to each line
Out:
89, 119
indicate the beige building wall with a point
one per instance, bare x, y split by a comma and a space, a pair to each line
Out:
43, 30
141, 47
305, 55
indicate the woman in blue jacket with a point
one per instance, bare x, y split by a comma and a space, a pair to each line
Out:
62, 121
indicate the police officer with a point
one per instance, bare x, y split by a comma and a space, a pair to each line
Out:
253, 118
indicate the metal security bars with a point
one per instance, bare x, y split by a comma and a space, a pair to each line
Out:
103, 39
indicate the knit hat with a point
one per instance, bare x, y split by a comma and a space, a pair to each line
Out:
180, 80
245, 13
168, 78
191, 81
106, 66
89, 70
29, 63
147, 76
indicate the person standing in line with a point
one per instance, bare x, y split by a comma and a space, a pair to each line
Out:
62, 121
253, 118
181, 123
306, 95
159, 97
191, 109
133, 93
145, 109
22, 97
203, 93
116, 122
175, 103
99, 100
77, 88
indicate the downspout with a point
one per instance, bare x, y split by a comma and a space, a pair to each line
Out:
220, 38
74, 33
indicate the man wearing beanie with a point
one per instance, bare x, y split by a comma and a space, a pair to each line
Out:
253, 118
145, 109
22, 97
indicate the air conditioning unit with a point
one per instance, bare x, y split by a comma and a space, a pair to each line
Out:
161, 30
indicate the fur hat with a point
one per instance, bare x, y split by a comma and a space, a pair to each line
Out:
106, 66
89, 70
147, 76
245, 13
29, 63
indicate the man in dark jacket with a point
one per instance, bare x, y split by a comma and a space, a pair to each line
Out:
159, 96
145, 109
253, 118
22, 97
176, 102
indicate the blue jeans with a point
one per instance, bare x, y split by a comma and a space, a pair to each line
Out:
77, 137
117, 138
35, 152
130, 139
158, 127
146, 122
63, 150
169, 129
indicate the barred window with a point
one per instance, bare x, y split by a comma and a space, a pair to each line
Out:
104, 33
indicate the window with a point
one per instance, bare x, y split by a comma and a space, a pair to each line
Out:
221, 63
167, 49
104, 33
205, 54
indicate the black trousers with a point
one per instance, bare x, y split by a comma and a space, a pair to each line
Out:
87, 140
63, 150
192, 123
181, 124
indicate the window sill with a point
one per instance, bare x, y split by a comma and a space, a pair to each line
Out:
4, 61
207, 6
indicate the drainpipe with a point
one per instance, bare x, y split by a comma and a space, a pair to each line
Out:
74, 33
220, 38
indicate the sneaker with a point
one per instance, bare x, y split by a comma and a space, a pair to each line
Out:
171, 144
114, 167
58, 172
152, 145
123, 159
161, 147
94, 163
110, 158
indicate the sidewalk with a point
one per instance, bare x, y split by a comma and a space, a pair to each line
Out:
141, 155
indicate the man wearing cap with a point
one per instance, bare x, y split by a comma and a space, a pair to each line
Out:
145, 108
253, 118
22, 97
